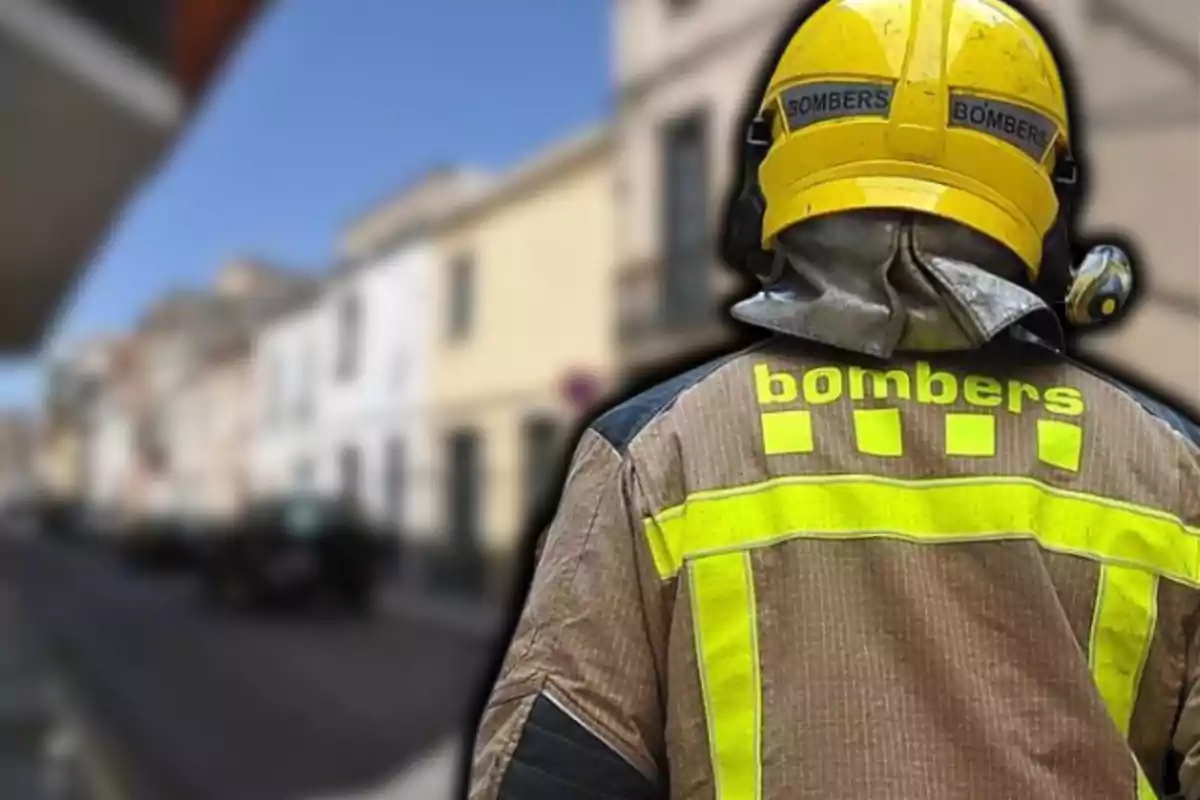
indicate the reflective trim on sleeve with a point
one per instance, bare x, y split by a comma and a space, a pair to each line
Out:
928, 511
1122, 629
1144, 790
726, 631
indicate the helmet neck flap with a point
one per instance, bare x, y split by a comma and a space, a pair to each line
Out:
877, 282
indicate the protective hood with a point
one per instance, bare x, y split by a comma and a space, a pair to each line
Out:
879, 282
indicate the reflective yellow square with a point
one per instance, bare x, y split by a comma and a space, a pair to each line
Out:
971, 435
787, 432
878, 431
1060, 444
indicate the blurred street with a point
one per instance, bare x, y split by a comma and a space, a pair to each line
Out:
287, 299
197, 704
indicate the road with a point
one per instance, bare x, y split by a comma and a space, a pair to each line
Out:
204, 705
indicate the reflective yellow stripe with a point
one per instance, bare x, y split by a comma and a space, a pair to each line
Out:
1122, 626
1144, 790
713, 531
726, 630
1122, 629
931, 511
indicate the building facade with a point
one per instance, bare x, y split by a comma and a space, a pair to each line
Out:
58, 445
339, 386
18, 456
521, 304
371, 326
1140, 70
342, 381
86, 445
62, 439
285, 358
193, 395
110, 450
684, 71
210, 434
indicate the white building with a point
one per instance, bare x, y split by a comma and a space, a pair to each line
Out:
283, 365
339, 386
370, 331
110, 454
342, 383
101, 402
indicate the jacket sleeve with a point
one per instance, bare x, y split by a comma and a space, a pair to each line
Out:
576, 710
1186, 737
1187, 729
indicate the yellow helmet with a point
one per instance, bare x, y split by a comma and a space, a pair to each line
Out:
951, 107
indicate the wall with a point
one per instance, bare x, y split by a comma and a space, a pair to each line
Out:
211, 447
283, 437
652, 39
59, 450
109, 451
718, 80
383, 399
543, 276
1142, 104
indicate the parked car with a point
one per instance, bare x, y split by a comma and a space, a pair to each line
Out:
59, 518
162, 541
295, 548
19, 517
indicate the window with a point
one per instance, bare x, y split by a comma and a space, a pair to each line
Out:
539, 454
349, 328
351, 474
686, 238
464, 488
462, 297
393, 480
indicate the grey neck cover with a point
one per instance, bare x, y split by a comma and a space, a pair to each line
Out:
878, 282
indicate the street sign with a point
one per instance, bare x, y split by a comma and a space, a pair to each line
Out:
581, 390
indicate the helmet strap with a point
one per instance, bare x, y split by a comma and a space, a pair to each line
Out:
1058, 258
742, 240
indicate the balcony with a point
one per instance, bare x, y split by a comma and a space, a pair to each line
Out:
651, 331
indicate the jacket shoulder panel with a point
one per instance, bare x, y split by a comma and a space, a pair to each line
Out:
620, 425
1173, 417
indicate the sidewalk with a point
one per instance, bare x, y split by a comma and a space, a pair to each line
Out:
45, 752
430, 777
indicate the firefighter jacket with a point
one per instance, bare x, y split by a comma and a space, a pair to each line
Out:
795, 574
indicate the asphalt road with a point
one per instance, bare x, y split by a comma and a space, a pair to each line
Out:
204, 705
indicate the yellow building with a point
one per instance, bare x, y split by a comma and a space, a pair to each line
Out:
58, 459
521, 304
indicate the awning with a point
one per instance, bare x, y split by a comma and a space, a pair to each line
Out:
93, 93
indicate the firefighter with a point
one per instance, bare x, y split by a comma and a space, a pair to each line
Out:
905, 547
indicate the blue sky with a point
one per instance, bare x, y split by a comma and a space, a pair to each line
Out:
326, 108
